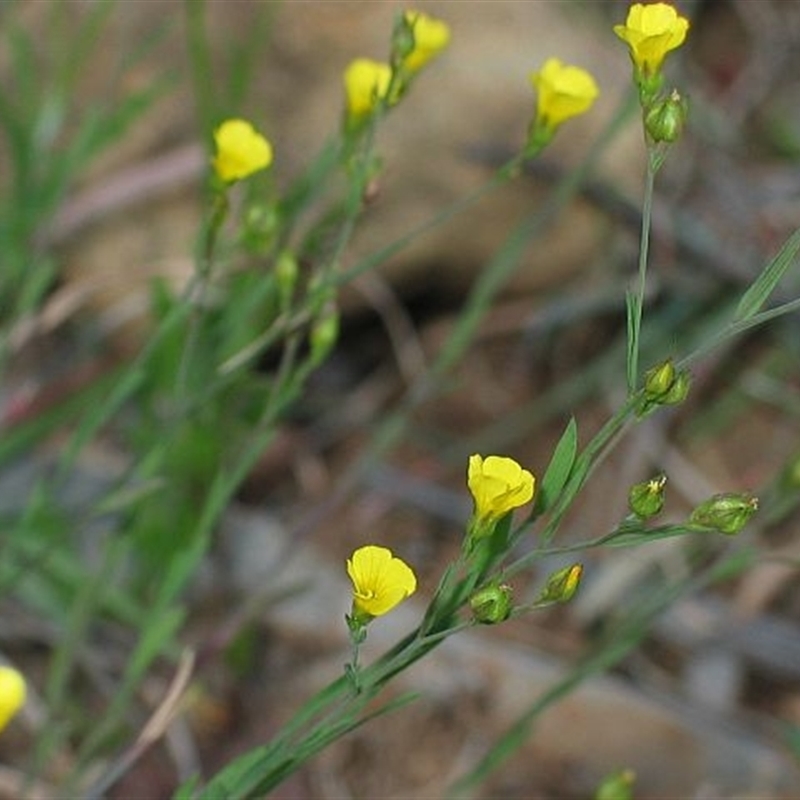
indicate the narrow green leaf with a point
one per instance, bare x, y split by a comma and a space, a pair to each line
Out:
758, 293
633, 340
560, 467
187, 790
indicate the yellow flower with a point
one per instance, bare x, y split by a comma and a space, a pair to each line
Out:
564, 91
241, 150
380, 581
12, 694
498, 485
366, 83
650, 32
431, 36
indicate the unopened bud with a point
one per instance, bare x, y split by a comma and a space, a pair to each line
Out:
492, 604
324, 334
679, 390
659, 379
561, 585
647, 499
664, 120
793, 473
664, 386
261, 225
403, 39
286, 273
727, 513
616, 786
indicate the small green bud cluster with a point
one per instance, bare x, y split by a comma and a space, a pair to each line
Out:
664, 385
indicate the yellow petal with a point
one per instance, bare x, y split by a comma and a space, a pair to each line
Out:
380, 580
431, 36
12, 694
498, 485
564, 91
241, 150
366, 83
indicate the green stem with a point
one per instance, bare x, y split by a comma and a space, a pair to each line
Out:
636, 301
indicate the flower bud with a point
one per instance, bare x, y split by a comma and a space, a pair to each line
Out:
679, 390
261, 224
286, 274
664, 386
561, 585
324, 334
659, 379
492, 604
616, 786
727, 513
402, 39
793, 473
664, 120
646, 499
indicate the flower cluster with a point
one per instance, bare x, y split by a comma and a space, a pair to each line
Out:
241, 151
651, 31
371, 85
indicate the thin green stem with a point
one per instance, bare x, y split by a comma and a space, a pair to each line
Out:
636, 301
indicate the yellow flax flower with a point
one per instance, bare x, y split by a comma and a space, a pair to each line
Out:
12, 694
564, 91
366, 83
650, 32
241, 150
380, 581
498, 485
431, 36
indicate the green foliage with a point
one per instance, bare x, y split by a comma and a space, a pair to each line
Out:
228, 356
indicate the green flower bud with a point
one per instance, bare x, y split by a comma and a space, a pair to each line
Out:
647, 499
793, 473
727, 513
679, 390
664, 386
403, 40
616, 786
561, 585
658, 380
665, 119
261, 225
286, 273
492, 604
324, 334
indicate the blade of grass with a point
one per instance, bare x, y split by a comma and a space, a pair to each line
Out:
761, 289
